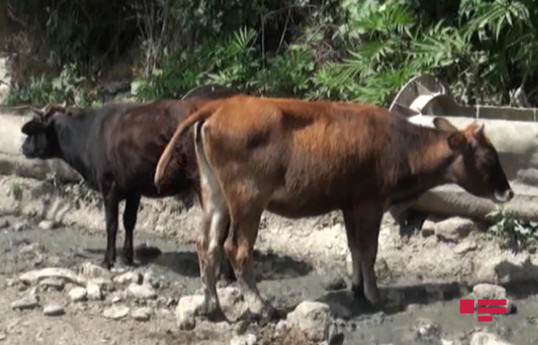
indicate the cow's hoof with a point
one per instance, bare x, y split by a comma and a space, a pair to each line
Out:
215, 315
264, 316
106, 264
358, 292
127, 260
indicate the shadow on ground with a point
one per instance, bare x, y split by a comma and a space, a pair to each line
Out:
269, 265
396, 298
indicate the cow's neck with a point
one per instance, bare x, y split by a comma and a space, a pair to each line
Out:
74, 139
426, 165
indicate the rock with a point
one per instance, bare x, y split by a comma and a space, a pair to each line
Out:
21, 226
78, 294
281, 327
231, 301
4, 224
489, 291
54, 283
28, 302
53, 309
128, 278
454, 229
143, 291
91, 270
34, 276
94, 291
428, 228
104, 283
465, 247
47, 224
484, 338
186, 310
150, 279
247, 339
116, 298
33, 248
312, 318
426, 330
141, 314
333, 283
116, 312
2, 336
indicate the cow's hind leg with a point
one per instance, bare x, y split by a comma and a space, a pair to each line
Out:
129, 222
239, 246
366, 220
212, 234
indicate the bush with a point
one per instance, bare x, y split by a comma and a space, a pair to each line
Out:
515, 234
333, 49
68, 87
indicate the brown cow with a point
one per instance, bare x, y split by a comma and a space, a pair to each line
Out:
299, 159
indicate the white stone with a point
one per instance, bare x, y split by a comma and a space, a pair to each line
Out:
53, 309
143, 291
465, 246
116, 312
78, 294
91, 270
489, 291
484, 338
47, 224
32, 277
312, 318
426, 329
94, 291
141, 314
186, 310
128, 278
247, 339
55, 283
454, 229
28, 302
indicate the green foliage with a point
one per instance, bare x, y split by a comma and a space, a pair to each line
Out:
361, 51
68, 87
515, 234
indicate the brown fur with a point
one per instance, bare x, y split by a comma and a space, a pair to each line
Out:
298, 159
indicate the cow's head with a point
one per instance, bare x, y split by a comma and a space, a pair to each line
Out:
477, 168
41, 138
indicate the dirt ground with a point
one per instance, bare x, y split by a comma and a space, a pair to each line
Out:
422, 280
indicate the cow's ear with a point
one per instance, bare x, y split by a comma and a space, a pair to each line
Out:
457, 141
444, 125
33, 126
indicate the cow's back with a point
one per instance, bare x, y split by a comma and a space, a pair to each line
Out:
133, 141
304, 151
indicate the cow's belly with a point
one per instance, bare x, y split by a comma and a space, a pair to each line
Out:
298, 205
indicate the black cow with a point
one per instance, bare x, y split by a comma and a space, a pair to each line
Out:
116, 149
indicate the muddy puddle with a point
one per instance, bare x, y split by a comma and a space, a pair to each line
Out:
286, 282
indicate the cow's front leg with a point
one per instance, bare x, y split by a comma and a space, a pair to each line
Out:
129, 222
364, 241
111, 201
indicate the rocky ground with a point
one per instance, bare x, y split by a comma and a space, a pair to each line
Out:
52, 292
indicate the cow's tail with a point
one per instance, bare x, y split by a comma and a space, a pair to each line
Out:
202, 114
